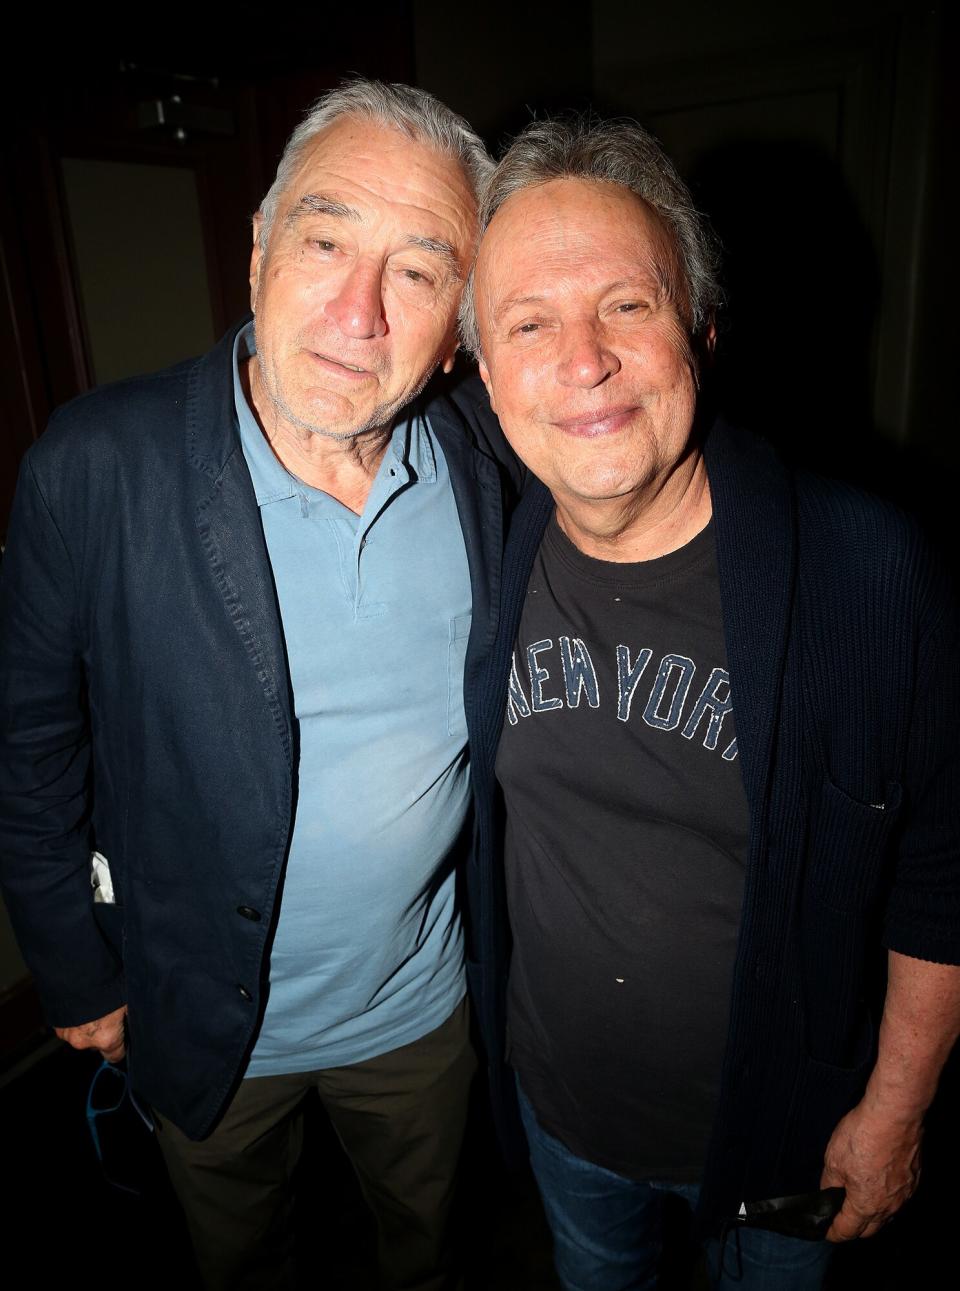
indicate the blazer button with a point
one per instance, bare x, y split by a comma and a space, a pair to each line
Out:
248, 912
244, 992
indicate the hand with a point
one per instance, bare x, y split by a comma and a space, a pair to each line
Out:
106, 1034
877, 1160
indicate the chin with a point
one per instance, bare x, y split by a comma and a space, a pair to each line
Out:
329, 417
601, 488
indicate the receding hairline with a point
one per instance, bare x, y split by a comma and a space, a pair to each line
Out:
665, 267
328, 203
309, 147
606, 187
413, 113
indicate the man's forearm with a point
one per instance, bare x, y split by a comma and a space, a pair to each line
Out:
921, 1022
874, 1153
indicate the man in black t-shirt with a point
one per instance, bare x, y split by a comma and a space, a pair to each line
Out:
642, 868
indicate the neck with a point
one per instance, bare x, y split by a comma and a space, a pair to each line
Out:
645, 525
343, 468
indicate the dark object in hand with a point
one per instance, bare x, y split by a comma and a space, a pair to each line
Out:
808, 1215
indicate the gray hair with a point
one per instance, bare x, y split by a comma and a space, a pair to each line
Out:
613, 152
414, 112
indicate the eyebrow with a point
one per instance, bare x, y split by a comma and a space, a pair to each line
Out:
662, 285
505, 306
317, 204
438, 247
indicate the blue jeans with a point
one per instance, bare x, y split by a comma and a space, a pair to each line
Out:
607, 1229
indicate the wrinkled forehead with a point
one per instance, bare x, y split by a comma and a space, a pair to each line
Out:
574, 229
364, 156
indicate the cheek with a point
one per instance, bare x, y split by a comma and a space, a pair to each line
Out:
533, 378
518, 386
672, 355
413, 344
273, 307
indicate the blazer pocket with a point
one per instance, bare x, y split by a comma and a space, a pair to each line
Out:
109, 919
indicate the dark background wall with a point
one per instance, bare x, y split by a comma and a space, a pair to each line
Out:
818, 136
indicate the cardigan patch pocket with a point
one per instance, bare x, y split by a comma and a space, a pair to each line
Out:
846, 846
822, 1096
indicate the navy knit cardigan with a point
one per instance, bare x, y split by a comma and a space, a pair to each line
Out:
842, 647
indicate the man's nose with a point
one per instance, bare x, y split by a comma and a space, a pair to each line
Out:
357, 307
586, 358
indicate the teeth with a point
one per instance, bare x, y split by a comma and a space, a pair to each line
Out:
351, 367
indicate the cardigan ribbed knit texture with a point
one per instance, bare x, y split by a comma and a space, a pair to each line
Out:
843, 655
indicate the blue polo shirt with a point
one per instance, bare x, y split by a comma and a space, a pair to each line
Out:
376, 612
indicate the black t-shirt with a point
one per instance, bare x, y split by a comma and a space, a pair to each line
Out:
625, 853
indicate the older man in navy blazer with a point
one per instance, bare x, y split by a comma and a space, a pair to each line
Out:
243, 601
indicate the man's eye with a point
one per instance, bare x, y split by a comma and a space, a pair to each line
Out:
414, 275
631, 306
324, 244
527, 329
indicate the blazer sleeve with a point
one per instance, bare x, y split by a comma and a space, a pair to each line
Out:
45, 837
923, 912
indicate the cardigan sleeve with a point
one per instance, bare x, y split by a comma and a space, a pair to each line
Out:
45, 838
923, 911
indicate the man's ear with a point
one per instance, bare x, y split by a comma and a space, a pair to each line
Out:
449, 357
704, 344
256, 257
485, 378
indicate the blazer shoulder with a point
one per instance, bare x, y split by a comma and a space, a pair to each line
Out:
128, 431
110, 417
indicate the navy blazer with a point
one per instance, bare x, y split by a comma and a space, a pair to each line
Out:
146, 708
842, 647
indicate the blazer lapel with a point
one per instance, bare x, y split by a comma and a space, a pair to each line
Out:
231, 533
476, 489
753, 510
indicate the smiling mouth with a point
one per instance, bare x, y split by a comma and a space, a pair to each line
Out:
339, 364
590, 425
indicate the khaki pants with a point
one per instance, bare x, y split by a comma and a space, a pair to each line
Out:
401, 1119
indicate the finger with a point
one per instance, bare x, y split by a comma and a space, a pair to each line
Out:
868, 1229
110, 1037
830, 1178
76, 1038
115, 1053
847, 1225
